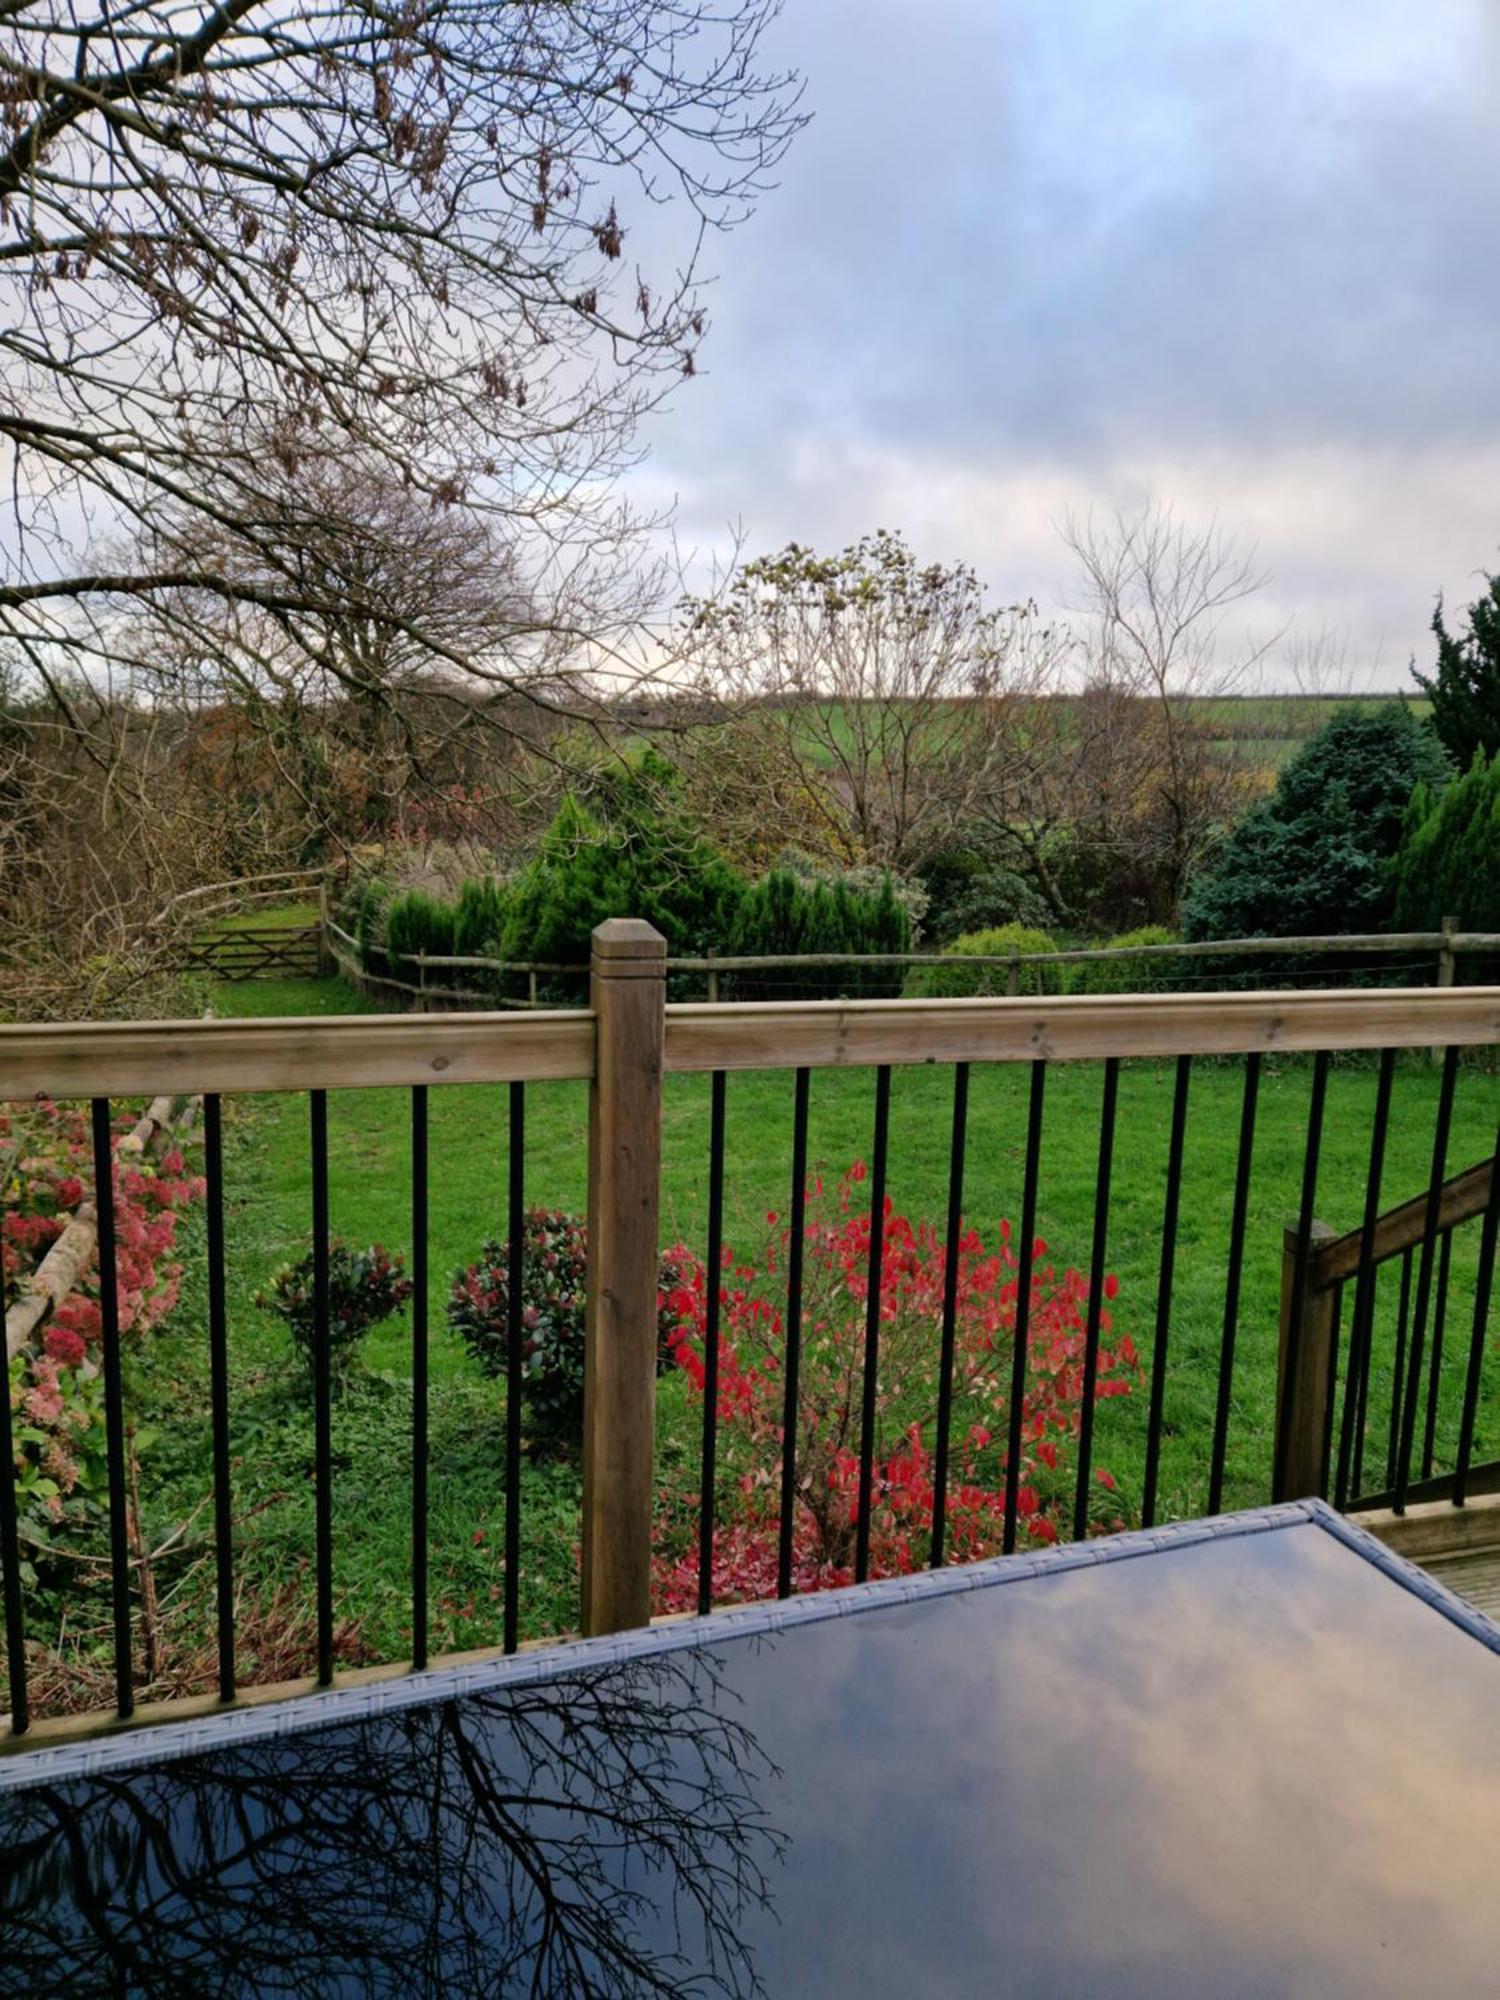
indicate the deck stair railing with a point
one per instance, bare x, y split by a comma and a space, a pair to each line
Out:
1319, 1266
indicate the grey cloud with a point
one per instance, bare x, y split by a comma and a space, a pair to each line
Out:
1085, 236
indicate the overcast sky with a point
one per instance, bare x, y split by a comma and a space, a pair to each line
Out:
1034, 255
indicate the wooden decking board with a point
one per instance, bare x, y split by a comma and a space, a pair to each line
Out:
1474, 1574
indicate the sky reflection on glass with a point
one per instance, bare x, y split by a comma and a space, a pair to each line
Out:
1254, 1766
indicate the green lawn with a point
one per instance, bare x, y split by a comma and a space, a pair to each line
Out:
268, 1200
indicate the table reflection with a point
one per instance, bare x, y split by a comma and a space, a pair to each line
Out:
599, 1835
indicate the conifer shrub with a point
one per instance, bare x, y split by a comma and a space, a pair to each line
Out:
1464, 691
417, 924
630, 851
1313, 859
478, 919
1448, 863
787, 914
1127, 975
364, 914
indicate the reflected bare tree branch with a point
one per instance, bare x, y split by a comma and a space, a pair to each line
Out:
605, 1834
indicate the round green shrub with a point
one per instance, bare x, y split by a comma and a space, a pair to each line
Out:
960, 982
1127, 975
364, 1287
554, 1267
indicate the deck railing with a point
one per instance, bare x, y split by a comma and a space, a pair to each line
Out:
624, 1045
1417, 1236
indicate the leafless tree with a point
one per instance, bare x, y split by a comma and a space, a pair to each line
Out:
869, 700
104, 815
1160, 782
357, 692
403, 230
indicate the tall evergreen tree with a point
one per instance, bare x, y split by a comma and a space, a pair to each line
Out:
1448, 863
1465, 690
1314, 858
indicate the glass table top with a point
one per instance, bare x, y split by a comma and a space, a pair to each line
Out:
1253, 1764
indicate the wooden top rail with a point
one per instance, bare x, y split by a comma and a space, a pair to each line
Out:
231, 889
1401, 941
1463, 1197
828, 1033
139, 1058
135, 1059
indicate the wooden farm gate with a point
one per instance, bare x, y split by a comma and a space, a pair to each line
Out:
246, 952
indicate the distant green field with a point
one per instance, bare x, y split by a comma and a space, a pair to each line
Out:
1266, 729
1284, 717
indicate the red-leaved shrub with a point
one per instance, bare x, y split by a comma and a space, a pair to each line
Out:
751, 1401
57, 1411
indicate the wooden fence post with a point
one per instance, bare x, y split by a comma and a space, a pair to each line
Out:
1445, 954
1306, 1457
628, 994
325, 942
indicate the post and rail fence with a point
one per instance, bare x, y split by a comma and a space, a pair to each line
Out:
1424, 957
324, 946
625, 1044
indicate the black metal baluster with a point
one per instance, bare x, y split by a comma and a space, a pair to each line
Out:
1291, 1360
872, 1320
1022, 1333
790, 1413
1483, 1280
1164, 1288
1096, 1296
1357, 1376
322, 1387
1330, 1390
114, 1403
10, 1562
1398, 1372
218, 1363
419, 1379
1361, 1421
1243, 1164
711, 1342
1413, 1391
1434, 1372
515, 1166
950, 1309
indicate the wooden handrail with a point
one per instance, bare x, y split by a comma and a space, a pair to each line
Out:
139, 1058
1463, 1197
831, 1033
